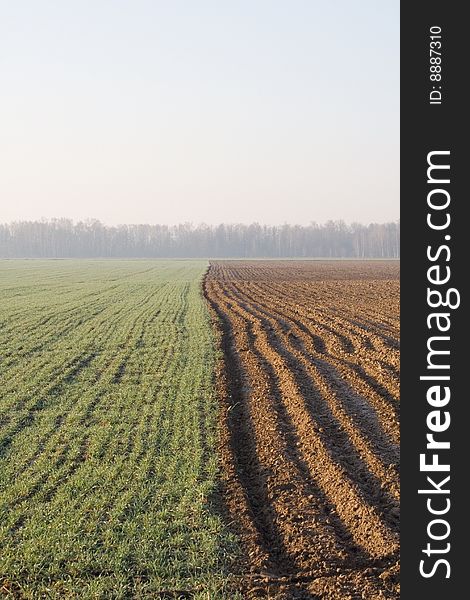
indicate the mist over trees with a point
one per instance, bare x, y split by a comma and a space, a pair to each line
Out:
62, 238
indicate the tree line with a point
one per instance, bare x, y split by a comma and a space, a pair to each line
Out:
63, 238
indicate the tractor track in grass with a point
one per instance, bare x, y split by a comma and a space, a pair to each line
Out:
309, 442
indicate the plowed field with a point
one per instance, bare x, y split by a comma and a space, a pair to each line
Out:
309, 382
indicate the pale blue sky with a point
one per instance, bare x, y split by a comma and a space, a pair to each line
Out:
177, 110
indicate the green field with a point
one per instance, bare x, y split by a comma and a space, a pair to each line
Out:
107, 432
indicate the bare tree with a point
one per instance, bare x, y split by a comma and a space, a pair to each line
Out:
61, 238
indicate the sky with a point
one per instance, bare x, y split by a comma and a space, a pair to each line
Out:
158, 111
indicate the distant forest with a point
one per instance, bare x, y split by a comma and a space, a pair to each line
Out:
62, 238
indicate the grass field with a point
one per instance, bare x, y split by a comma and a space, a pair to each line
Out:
107, 432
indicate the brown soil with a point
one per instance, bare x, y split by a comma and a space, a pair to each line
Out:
310, 424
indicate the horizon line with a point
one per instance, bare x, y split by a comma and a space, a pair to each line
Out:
198, 224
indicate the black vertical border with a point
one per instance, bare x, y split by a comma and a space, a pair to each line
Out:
425, 128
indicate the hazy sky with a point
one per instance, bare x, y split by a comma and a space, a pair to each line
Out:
165, 111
